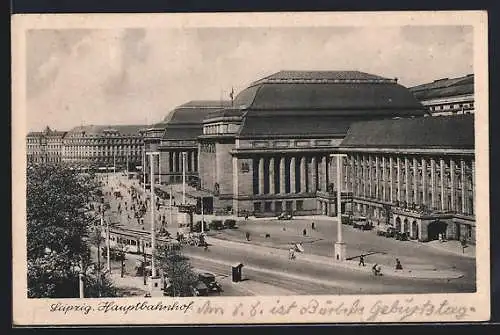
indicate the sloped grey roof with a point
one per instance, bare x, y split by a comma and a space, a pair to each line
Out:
424, 132
100, 129
194, 111
325, 90
444, 88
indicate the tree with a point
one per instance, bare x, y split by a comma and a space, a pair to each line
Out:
177, 271
57, 228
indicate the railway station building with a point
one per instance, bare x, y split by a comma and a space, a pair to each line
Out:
416, 174
175, 136
270, 151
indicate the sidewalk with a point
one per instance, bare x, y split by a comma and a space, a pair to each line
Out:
417, 272
452, 247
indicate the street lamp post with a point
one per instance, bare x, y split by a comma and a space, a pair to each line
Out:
170, 206
202, 217
184, 178
80, 280
340, 247
144, 168
153, 230
108, 258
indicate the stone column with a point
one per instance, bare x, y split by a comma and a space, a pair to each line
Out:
424, 182
433, 183
407, 181
261, 176
314, 174
168, 167
415, 181
377, 177
352, 174
365, 176
293, 188
462, 175
452, 184
271, 176
324, 172
370, 175
282, 175
174, 161
326, 158
391, 179
193, 160
398, 176
383, 180
303, 186
441, 181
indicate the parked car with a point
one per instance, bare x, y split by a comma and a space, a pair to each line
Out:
216, 225
229, 223
361, 223
197, 226
402, 236
208, 279
386, 231
285, 216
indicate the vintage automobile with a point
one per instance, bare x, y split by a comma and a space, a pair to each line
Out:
386, 231
208, 279
362, 223
197, 226
402, 236
216, 225
285, 216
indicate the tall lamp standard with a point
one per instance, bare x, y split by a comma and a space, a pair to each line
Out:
184, 177
153, 230
340, 246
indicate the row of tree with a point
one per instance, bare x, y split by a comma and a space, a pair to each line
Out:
59, 234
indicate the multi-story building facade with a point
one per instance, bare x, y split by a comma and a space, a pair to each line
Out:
270, 151
447, 96
177, 135
45, 146
104, 146
415, 174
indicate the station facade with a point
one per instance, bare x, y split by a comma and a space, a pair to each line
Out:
417, 175
270, 152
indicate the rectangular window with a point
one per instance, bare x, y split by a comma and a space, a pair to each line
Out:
300, 205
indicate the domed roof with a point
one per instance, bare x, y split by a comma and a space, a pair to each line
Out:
326, 90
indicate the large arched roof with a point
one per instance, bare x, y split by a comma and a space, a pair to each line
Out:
320, 103
326, 90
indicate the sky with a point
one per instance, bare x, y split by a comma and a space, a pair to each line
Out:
137, 76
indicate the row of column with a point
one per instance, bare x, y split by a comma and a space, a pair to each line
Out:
292, 174
405, 181
172, 161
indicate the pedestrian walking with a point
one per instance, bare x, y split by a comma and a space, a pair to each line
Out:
304, 232
247, 235
312, 226
398, 265
291, 253
361, 260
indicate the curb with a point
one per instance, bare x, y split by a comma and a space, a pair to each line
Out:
348, 265
444, 250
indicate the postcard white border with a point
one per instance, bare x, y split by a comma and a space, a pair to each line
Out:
36, 311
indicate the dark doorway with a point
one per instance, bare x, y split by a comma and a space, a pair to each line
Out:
435, 228
398, 224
